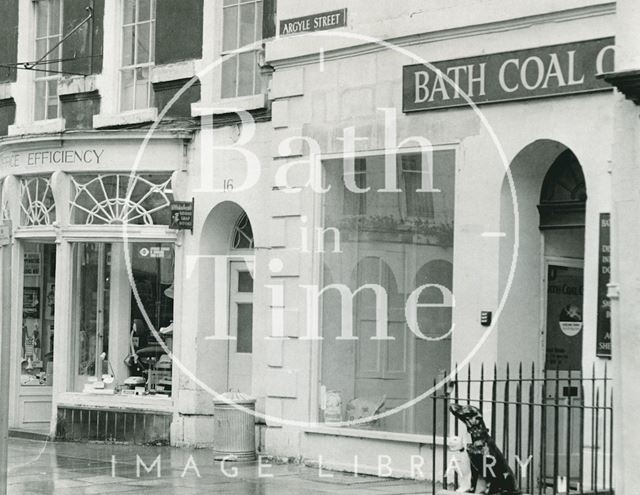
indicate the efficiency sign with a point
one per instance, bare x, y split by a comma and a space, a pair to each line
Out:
535, 73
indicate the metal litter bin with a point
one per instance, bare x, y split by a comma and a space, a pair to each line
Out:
234, 434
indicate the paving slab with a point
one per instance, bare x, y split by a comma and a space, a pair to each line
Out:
45, 467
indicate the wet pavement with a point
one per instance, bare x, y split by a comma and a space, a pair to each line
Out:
37, 467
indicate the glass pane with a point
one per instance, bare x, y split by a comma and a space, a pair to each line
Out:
126, 90
230, 29
152, 268
41, 49
230, 2
142, 88
128, 45
54, 17
247, 63
245, 282
259, 6
86, 292
129, 9
56, 51
42, 10
40, 100
409, 252
152, 42
245, 328
142, 43
52, 108
247, 24
144, 10
229, 77
38, 309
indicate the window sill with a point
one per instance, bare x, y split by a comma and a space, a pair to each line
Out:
151, 403
71, 85
229, 105
173, 72
125, 118
5, 91
37, 127
374, 435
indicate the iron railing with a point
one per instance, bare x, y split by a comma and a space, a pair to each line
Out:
554, 428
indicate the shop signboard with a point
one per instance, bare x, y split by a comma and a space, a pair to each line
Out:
182, 215
315, 22
603, 344
80, 156
542, 72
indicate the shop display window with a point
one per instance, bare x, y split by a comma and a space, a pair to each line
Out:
38, 311
116, 351
398, 240
121, 199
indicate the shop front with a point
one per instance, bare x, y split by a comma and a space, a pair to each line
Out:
457, 235
93, 282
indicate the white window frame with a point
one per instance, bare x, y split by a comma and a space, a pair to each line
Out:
135, 66
228, 53
41, 76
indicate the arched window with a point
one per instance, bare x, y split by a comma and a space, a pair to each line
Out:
121, 199
242, 233
36, 201
564, 194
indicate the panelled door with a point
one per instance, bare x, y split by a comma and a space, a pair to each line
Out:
240, 327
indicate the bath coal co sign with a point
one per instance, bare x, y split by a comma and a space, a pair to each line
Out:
524, 74
315, 22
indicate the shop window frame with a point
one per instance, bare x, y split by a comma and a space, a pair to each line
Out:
122, 209
39, 210
318, 276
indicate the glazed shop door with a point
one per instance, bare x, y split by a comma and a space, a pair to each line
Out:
563, 364
240, 327
37, 329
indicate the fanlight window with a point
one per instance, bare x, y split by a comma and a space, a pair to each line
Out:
564, 194
36, 201
119, 199
242, 233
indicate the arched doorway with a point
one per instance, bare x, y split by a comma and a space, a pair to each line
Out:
551, 192
228, 243
562, 207
542, 321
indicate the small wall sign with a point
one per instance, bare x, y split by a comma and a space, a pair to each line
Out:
182, 215
603, 344
314, 22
